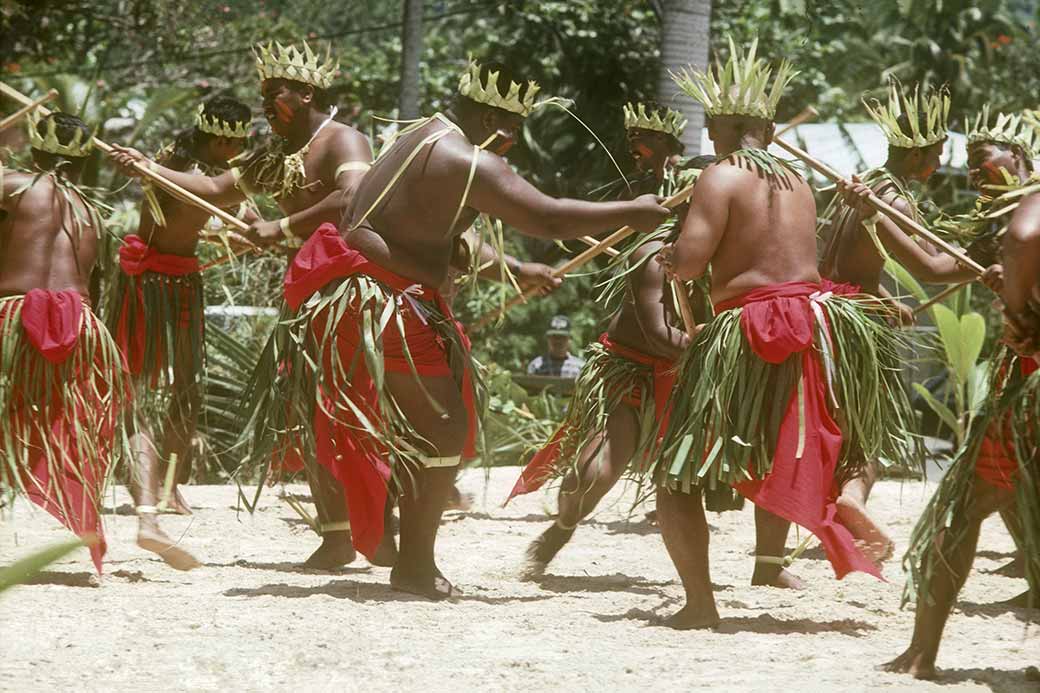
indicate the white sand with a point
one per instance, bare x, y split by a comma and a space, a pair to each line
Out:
249, 620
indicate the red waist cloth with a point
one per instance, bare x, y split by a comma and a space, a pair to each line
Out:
778, 322
541, 466
357, 461
996, 463
131, 327
53, 324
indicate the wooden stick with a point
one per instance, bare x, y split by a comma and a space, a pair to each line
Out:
583, 257
24, 110
167, 185
888, 210
591, 241
807, 114
940, 296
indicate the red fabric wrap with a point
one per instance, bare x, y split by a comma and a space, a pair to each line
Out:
51, 320
539, 469
778, 322
996, 463
53, 323
135, 258
356, 460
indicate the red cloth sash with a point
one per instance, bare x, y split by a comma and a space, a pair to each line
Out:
53, 324
51, 320
996, 463
541, 466
778, 322
135, 258
353, 457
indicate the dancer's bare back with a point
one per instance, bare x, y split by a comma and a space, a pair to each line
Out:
755, 230
41, 244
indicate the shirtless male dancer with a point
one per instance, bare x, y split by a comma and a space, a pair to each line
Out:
311, 168
997, 468
858, 245
397, 389
752, 404
61, 407
632, 364
156, 315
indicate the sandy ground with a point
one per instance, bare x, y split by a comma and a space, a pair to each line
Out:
250, 620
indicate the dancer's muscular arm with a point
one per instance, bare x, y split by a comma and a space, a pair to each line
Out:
930, 267
705, 222
220, 191
500, 192
651, 305
528, 274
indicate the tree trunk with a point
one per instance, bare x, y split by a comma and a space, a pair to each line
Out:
685, 34
411, 52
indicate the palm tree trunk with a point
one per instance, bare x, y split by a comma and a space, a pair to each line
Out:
411, 52
685, 34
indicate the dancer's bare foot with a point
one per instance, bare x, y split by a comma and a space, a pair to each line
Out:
874, 541
690, 618
434, 587
151, 538
336, 551
386, 553
913, 662
767, 575
542, 550
176, 504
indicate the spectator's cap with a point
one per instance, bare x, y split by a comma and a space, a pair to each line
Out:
559, 325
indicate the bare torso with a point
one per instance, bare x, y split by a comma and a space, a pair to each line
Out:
770, 235
409, 232
647, 315
320, 162
40, 247
851, 256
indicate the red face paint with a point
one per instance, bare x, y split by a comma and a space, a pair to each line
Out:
992, 172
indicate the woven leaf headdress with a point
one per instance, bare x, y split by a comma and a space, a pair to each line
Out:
660, 120
275, 61
928, 116
486, 92
740, 87
79, 146
1008, 129
219, 127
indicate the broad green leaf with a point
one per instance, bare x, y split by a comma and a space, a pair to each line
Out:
905, 279
939, 408
950, 334
23, 570
973, 334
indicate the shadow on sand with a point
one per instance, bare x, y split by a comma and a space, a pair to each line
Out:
291, 567
997, 680
764, 623
617, 582
362, 592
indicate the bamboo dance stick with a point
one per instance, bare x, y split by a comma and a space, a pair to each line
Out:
888, 210
24, 110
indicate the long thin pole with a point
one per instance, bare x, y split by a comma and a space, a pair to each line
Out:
24, 110
940, 296
888, 210
167, 185
582, 258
